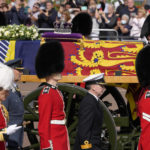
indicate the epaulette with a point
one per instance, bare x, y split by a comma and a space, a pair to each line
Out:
147, 95
86, 145
46, 90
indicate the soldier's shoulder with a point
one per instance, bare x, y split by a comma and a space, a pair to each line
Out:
46, 89
147, 94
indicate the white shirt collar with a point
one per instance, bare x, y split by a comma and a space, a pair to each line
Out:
94, 96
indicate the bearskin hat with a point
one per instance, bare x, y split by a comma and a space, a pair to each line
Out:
82, 23
49, 59
146, 28
143, 66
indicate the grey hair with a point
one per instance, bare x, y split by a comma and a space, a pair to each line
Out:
6, 77
125, 15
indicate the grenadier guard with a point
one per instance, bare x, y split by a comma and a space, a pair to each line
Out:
143, 74
82, 23
52, 130
6, 83
90, 115
14, 105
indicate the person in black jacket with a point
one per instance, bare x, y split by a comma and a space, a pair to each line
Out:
47, 16
145, 31
90, 115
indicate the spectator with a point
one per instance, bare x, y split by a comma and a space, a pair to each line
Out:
2, 1
72, 3
60, 11
2, 19
47, 18
33, 14
7, 13
94, 34
66, 16
147, 9
32, 2
123, 27
137, 23
108, 21
17, 12
43, 3
92, 5
130, 9
26, 7
121, 8
104, 5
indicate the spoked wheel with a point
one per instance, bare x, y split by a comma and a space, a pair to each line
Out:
72, 97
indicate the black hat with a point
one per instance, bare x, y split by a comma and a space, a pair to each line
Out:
15, 64
49, 59
143, 66
146, 28
82, 23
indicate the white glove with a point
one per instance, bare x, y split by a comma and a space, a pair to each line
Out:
12, 129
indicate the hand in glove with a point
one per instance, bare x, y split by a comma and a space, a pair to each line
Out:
12, 129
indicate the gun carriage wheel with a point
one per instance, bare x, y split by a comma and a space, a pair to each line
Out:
72, 96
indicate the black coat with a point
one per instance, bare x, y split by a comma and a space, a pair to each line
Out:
90, 123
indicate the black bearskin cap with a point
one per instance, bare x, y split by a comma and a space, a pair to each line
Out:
49, 59
143, 66
82, 23
146, 28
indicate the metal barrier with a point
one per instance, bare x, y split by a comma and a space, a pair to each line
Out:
98, 30
116, 37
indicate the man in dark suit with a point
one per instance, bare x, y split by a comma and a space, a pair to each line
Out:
15, 106
90, 115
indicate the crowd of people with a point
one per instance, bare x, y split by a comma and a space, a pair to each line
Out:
125, 18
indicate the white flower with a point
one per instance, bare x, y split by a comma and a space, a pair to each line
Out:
1, 30
36, 35
6, 33
28, 33
34, 30
19, 32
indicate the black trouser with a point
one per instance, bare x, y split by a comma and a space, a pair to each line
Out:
12, 145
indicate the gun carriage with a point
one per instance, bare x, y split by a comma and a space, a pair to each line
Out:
83, 57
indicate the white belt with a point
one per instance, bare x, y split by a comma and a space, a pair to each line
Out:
61, 122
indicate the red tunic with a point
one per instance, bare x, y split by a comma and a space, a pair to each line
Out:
3, 124
144, 114
51, 107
